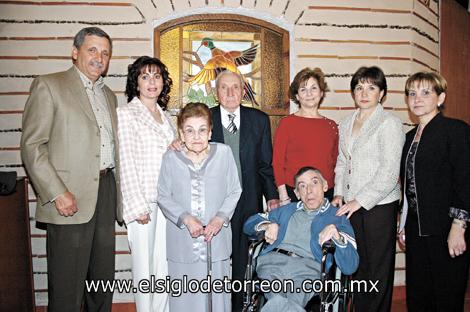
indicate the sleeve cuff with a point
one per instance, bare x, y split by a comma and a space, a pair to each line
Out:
257, 227
224, 217
181, 218
459, 214
342, 242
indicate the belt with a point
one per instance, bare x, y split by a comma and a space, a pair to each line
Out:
105, 171
287, 253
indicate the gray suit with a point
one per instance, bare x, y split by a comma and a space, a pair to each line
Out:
60, 147
205, 192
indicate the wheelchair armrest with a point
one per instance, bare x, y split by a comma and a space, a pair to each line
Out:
328, 247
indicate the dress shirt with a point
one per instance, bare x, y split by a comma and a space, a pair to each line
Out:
226, 121
99, 105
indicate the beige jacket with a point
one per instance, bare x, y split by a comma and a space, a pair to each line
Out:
369, 170
60, 145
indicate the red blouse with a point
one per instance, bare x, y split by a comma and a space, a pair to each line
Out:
301, 141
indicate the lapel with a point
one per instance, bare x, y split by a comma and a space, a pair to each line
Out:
111, 103
245, 125
143, 115
74, 83
217, 132
371, 124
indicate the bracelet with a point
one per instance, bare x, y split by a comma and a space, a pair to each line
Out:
461, 223
285, 200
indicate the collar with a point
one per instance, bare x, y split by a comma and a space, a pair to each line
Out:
87, 83
324, 207
225, 112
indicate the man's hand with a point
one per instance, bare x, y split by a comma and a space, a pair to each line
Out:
271, 230
66, 204
349, 208
328, 232
456, 240
143, 219
213, 228
176, 145
272, 204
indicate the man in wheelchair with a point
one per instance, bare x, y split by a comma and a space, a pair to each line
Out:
295, 234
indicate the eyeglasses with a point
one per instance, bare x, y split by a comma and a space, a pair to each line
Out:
423, 93
191, 133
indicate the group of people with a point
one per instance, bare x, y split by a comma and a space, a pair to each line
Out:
178, 187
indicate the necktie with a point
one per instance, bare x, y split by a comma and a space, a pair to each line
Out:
232, 128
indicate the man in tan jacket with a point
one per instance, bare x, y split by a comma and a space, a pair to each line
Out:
68, 148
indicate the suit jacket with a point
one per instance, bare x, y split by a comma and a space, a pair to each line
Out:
346, 256
142, 144
369, 171
60, 145
442, 172
180, 188
255, 158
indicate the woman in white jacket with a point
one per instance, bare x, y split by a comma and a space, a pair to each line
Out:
366, 184
144, 132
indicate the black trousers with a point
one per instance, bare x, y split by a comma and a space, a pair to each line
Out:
435, 282
80, 252
240, 244
375, 232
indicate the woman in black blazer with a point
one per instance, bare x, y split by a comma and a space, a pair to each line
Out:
435, 171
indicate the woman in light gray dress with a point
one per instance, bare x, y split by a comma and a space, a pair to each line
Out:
198, 190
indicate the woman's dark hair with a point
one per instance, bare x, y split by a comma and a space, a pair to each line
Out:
134, 71
373, 75
301, 79
194, 109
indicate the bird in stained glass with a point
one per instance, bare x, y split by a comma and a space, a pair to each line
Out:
220, 61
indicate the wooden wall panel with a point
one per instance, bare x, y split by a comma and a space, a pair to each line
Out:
455, 59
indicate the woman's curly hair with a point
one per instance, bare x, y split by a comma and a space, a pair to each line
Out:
136, 68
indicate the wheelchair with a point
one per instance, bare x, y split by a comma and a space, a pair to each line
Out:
331, 301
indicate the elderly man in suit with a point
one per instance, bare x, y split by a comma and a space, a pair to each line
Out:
248, 133
68, 148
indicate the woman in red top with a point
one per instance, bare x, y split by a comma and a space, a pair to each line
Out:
305, 138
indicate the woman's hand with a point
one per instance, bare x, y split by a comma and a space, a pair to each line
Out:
284, 198
176, 145
349, 208
337, 201
456, 239
213, 228
401, 239
194, 226
143, 219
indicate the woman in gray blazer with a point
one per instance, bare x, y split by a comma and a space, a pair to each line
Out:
366, 184
198, 190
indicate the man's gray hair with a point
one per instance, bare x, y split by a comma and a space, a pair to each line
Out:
90, 31
227, 72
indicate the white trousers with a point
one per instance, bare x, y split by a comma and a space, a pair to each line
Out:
147, 243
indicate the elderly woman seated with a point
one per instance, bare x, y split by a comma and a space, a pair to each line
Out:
295, 233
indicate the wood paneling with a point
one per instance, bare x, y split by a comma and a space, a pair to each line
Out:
455, 58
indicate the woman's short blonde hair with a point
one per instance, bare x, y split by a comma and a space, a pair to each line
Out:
437, 82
